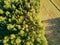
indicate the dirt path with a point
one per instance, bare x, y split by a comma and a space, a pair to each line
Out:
51, 20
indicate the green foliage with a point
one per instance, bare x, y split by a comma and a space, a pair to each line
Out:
20, 23
1, 11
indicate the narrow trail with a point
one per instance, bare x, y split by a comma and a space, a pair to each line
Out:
51, 21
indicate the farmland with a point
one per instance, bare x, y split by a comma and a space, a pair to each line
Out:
51, 20
57, 3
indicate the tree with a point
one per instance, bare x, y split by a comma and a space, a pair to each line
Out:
21, 23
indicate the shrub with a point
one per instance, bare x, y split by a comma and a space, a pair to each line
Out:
20, 23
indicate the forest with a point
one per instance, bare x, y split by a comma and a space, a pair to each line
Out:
29, 22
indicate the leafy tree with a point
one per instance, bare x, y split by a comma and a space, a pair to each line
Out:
20, 23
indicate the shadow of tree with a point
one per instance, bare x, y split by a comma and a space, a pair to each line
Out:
54, 26
52, 21
5, 32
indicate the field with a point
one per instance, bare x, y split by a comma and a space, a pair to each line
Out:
51, 20
57, 3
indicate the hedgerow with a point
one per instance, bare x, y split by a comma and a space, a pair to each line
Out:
20, 23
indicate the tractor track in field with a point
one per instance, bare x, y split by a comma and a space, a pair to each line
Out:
51, 20
54, 5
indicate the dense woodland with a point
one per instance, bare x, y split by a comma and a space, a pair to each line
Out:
20, 23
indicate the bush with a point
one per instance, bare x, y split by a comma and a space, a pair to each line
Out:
20, 23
